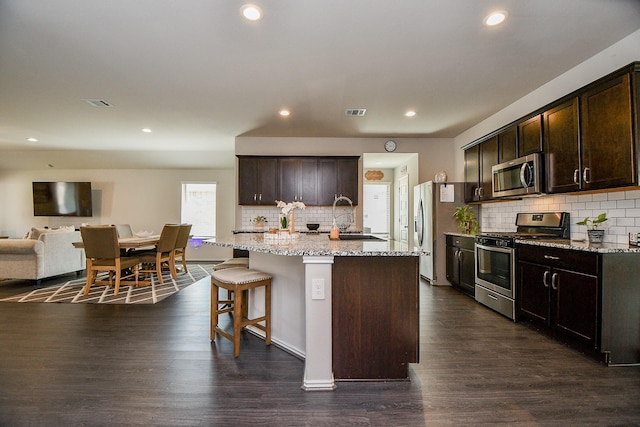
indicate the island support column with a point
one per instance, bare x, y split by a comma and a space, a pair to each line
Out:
318, 371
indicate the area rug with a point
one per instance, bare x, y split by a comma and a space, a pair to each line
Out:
73, 290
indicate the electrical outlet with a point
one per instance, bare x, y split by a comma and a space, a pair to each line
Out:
317, 288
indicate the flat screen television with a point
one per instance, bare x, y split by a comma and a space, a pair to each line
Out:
62, 199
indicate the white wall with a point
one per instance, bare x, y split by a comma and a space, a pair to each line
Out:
433, 155
146, 199
623, 207
614, 57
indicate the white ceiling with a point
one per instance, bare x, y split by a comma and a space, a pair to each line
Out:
198, 75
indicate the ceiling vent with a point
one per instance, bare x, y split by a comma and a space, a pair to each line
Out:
97, 102
357, 112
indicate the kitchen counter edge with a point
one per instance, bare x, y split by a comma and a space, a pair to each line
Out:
603, 248
317, 245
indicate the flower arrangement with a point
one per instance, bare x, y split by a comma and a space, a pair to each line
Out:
286, 210
259, 221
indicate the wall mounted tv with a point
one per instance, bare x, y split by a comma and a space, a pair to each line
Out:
62, 199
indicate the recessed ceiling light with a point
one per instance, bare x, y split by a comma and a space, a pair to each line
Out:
146, 130
495, 18
32, 140
284, 113
251, 12
410, 113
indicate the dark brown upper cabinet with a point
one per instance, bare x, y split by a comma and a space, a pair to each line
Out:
562, 147
508, 145
315, 181
298, 180
589, 139
337, 177
478, 161
530, 136
257, 180
608, 141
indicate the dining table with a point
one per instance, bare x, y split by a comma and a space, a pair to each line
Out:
130, 242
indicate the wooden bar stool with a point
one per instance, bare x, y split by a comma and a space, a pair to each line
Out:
239, 280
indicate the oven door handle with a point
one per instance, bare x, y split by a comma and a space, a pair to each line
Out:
495, 249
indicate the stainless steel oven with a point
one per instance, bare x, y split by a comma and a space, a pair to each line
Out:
496, 257
495, 274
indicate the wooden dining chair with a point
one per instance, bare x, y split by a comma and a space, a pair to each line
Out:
103, 254
124, 230
153, 259
179, 252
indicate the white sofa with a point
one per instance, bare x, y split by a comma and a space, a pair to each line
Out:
44, 253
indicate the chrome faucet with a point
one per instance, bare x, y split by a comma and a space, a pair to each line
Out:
337, 199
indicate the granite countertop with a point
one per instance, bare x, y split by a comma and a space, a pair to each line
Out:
302, 231
456, 233
315, 245
582, 246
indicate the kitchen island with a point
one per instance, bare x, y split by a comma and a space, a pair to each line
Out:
348, 307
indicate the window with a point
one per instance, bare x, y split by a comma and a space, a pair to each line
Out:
199, 207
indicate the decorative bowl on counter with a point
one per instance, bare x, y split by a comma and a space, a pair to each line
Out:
313, 227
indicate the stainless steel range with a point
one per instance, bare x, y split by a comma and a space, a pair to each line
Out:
496, 257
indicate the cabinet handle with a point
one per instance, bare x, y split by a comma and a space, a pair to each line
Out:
255, 196
586, 175
576, 176
545, 278
554, 281
555, 258
260, 197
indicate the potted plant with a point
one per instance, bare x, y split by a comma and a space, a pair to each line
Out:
595, 234
259, 221
466, 217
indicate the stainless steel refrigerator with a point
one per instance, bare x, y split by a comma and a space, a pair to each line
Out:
434, 204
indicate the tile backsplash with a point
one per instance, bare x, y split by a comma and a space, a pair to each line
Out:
313, 214
622, 209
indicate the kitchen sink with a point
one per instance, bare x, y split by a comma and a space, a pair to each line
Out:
358, 236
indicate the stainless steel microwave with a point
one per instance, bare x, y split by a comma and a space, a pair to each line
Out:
518, 177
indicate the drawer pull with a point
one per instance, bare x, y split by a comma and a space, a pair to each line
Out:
551, 257
492, 297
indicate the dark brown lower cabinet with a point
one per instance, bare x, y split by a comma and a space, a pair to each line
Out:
461, 264
375, 317
586, 299
564, 300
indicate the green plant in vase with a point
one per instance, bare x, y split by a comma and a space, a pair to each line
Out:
594, 234
467, 221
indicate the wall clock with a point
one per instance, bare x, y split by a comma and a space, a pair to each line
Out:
390, 145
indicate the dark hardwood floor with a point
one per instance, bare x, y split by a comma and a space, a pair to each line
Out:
84, 364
